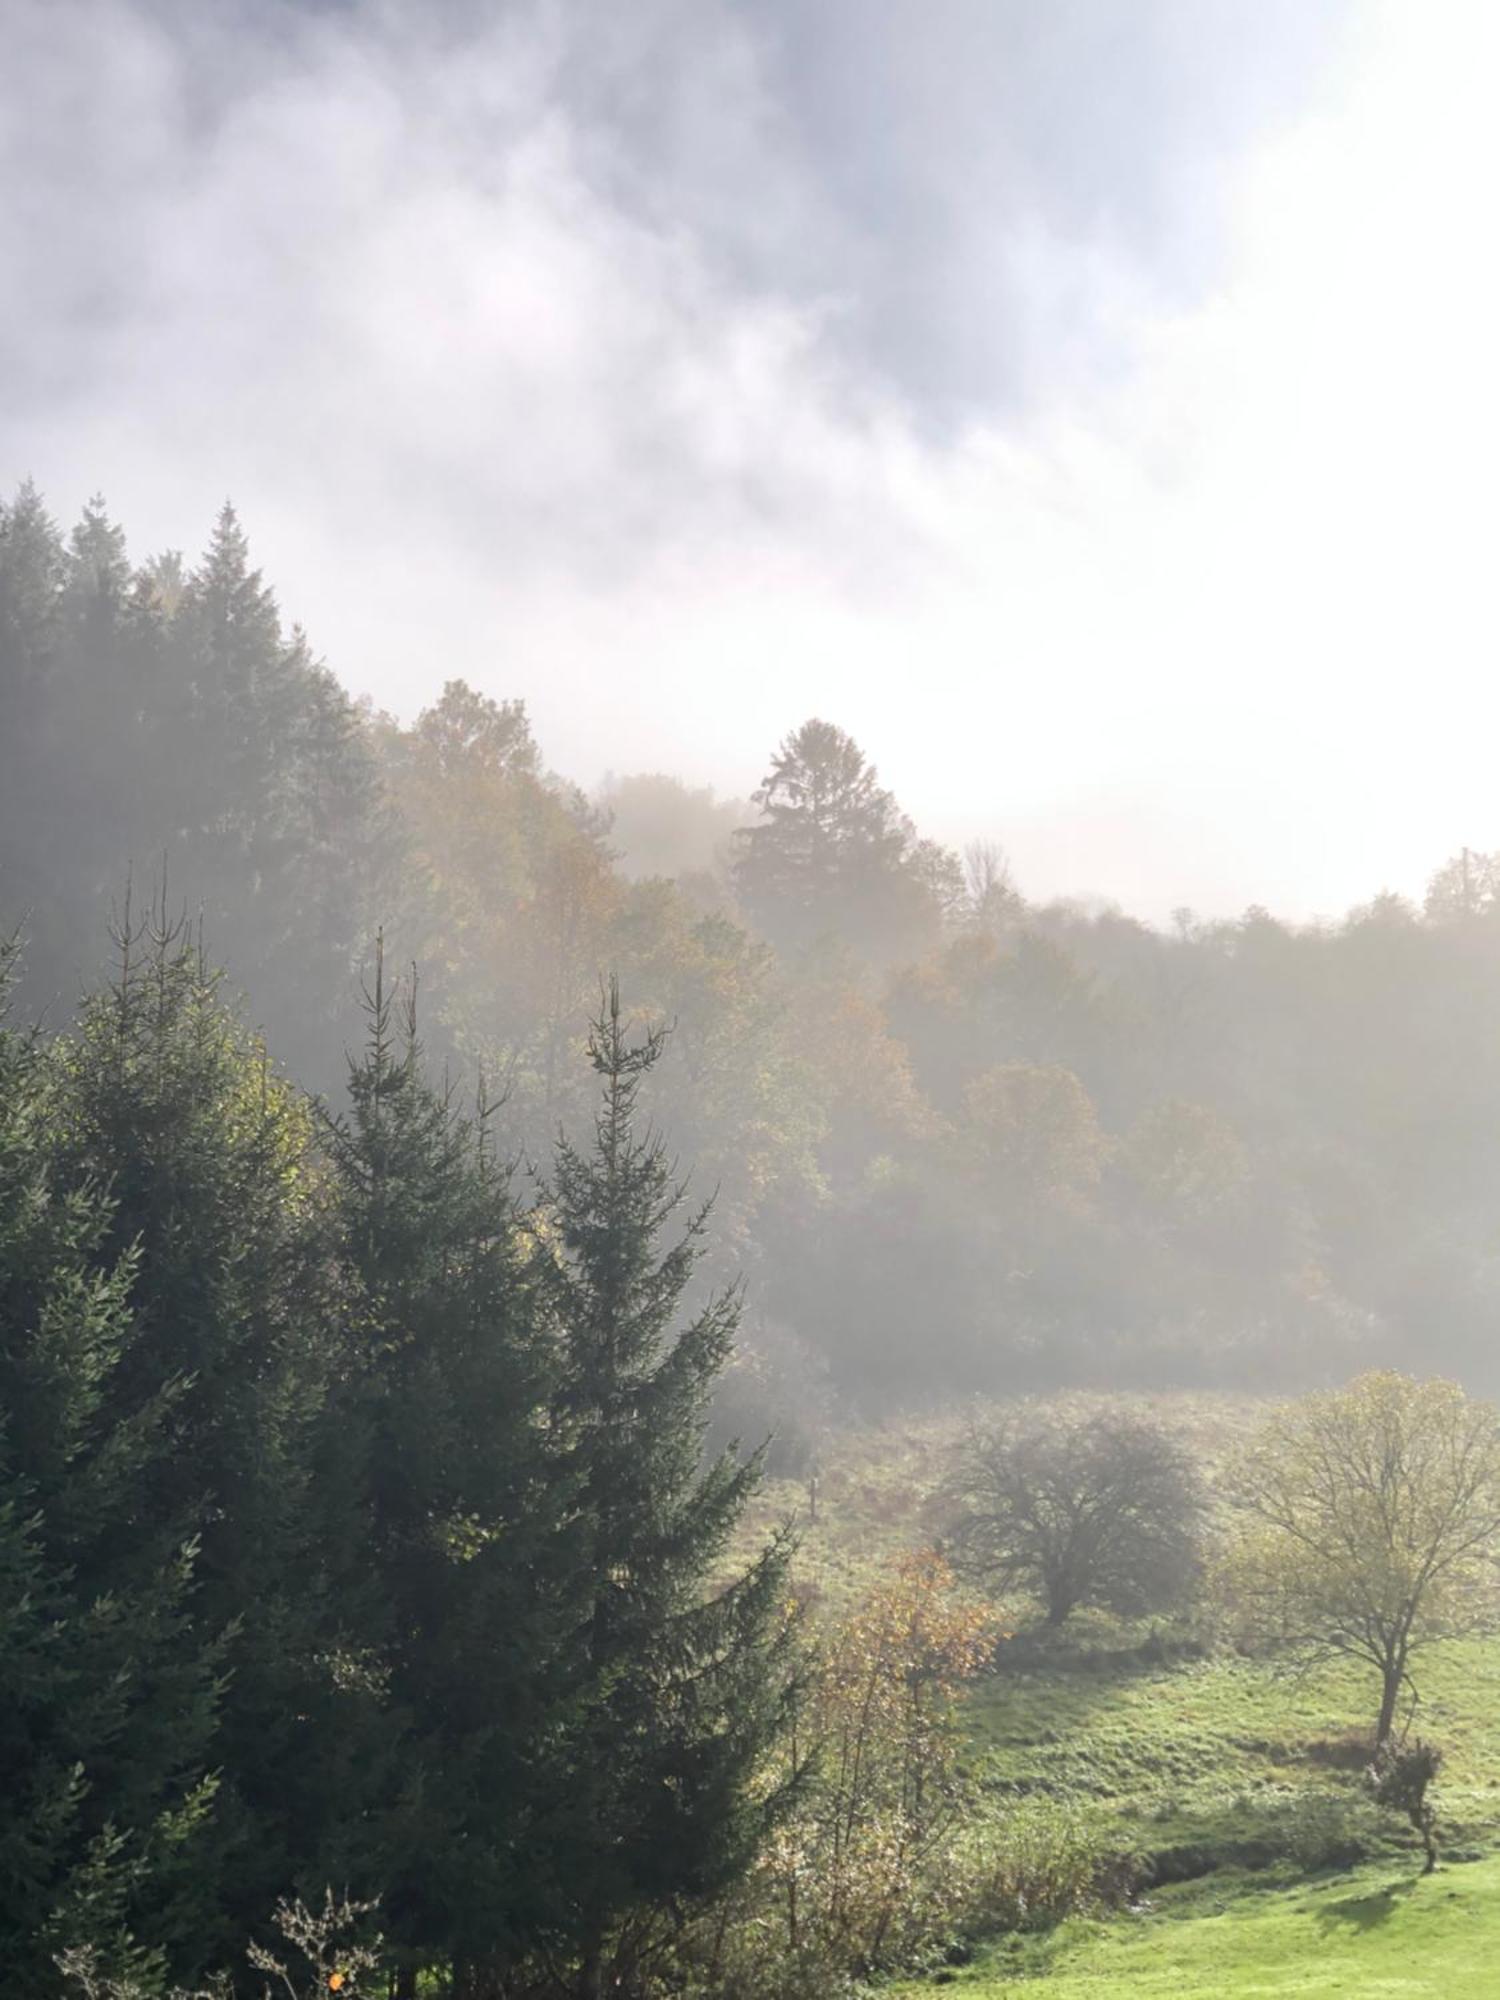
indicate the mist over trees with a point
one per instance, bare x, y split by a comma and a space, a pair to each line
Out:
960, 1141
1104, 1510
354, 1521
390, 1357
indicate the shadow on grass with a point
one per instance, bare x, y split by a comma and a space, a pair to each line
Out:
1364, 1913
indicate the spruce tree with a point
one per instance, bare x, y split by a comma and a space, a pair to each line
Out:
275, 804
32, 568
166, 1099
459, 1577
108, 1693
165, 713
686, 1668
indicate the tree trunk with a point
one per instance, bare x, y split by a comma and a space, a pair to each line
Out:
591, 1973
1390, 1694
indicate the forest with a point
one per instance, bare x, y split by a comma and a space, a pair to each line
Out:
468, 1244
958, 1142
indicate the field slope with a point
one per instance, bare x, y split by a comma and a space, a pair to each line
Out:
1236, 1783
1374, 1931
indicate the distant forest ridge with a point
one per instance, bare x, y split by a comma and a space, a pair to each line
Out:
961, 1142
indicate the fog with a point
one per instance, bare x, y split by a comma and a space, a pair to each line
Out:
1093, 420
749, 960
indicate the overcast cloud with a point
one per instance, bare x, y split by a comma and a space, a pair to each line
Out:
1089, 405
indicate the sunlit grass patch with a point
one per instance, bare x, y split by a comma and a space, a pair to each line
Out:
1380, 1932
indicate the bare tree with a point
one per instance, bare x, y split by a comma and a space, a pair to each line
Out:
1106, 1509
992, 895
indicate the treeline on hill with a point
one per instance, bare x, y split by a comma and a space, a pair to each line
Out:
961, 1141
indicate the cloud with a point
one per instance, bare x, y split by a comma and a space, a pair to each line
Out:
1013, 384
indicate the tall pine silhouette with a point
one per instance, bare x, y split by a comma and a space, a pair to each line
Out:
687, 1666
454, 1565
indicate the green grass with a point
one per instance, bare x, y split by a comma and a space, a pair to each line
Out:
1230, 1777
1233, 1783
1208, 1760
1374, 1931
1225, 1774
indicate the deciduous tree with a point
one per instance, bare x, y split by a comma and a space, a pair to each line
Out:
1104, 1509
1369, 1520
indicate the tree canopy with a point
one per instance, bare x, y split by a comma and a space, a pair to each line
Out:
1370, 1516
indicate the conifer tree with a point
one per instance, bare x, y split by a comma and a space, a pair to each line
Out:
833, 855
168, 1101
108, 1694
165, 712
687, 1676
32, 566
275, 801
458, 1577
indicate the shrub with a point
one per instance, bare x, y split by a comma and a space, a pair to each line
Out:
327, 1951
1031, 1862
862, 1877
1401, 1777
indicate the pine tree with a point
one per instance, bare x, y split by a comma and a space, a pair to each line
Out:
108, 1695
276, 808
458, 1573
686, 1678
32, 567
168, 1101
834, 856
162, 713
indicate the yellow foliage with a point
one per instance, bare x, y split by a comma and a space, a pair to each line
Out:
1370, 1519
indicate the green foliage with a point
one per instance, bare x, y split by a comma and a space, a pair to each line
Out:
1370, 1517
1029, 1863
325, 1950
1069, 1146
299, 1420
108, 1694
1101, 1509
448, 1546
206, 1151
164, 713
682, 1689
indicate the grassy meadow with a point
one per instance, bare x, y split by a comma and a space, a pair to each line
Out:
1234, 1784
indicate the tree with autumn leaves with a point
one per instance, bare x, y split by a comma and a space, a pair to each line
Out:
857, 1876
1368, 1522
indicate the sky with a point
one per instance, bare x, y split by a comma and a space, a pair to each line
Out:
1092, 408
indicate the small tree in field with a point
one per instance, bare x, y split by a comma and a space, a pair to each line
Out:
1369, 1517
1104, 1510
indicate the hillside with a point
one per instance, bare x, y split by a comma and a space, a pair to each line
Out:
1235, 1783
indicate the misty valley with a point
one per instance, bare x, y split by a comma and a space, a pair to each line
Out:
630, 1392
